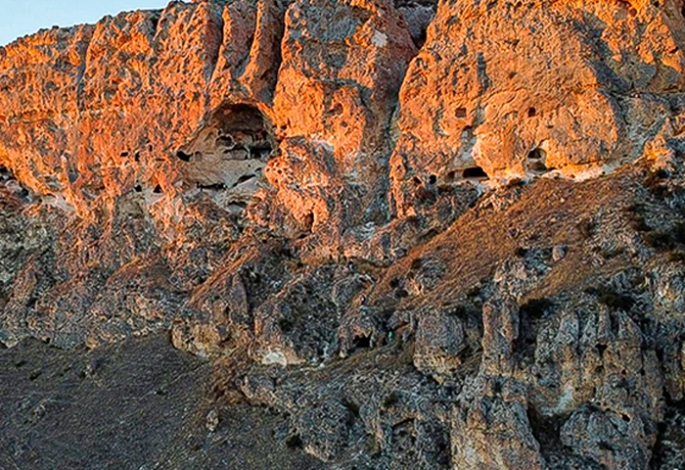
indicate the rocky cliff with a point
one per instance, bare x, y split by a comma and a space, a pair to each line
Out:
382, 234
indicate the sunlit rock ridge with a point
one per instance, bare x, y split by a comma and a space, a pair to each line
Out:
429, 234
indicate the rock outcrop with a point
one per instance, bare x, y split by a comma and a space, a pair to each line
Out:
537, 88
397, 234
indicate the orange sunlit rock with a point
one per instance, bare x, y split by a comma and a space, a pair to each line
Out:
422, 234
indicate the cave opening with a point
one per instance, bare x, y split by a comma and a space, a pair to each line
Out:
228, 154
232, 132
535, 163
536, 154
361, 342
242, 126
418, 14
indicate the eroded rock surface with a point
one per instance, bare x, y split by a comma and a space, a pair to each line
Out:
382, 234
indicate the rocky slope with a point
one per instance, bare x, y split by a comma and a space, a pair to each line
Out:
406, 234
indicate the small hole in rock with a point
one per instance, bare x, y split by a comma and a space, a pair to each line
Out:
601, 349
475, 172
138, 188
224, 140
257, 153
605, 446
391, 400
309, 221
460, 113
124, 154
157, 190
361, 342
244, 178
294, 442
432, 179
536, 154
215, 187
532, 112
238, 205
183, 156
536, 161
286, 325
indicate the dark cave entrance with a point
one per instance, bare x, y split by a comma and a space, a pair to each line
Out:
228, 154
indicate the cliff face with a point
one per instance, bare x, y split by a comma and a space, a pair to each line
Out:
426, 235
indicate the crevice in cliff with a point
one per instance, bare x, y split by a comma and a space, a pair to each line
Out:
531, 315
154, 20
546, 431
249, 56
669, 447
81, 72
418, 14
216, 25
270, 26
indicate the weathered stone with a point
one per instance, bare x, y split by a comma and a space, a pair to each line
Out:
491, 428
439, 340
521, 90
500, 330
607, 437
343, 63
381, 222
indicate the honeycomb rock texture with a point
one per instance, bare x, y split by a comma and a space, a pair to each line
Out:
346, 234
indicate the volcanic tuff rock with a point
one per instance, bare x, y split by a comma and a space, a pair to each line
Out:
398, 234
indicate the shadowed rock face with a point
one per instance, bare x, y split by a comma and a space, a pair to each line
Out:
378, 234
